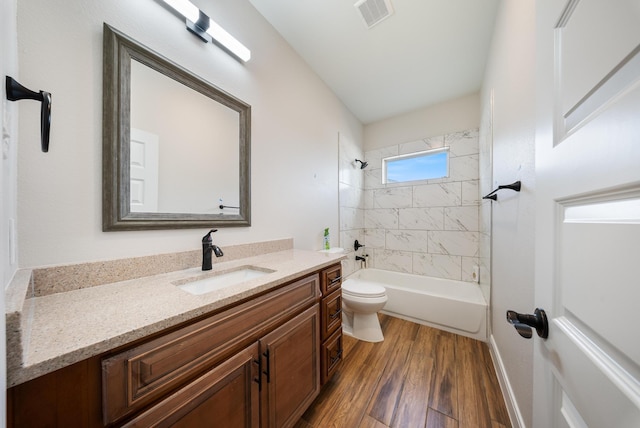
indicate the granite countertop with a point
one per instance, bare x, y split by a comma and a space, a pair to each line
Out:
46, 333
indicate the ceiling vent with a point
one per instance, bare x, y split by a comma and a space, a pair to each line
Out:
374, 11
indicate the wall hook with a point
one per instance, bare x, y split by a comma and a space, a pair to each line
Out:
16, 91
516, 186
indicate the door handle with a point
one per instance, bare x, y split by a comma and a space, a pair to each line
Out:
524, 322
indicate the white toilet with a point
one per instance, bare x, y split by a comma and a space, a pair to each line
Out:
360, 303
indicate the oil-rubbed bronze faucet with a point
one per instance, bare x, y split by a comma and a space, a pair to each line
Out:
363, 259
207, 248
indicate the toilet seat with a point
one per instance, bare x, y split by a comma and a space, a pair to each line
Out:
363, 289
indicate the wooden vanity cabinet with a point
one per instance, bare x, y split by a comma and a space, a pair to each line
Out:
273, 380
257, 364
140, 375
331, 327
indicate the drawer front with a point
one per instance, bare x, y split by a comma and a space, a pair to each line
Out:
331, 279
331, 313
332, 356
228, 391
136, 377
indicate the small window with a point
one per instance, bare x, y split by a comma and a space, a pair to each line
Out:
427, 165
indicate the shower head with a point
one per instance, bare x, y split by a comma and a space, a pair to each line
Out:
363, 165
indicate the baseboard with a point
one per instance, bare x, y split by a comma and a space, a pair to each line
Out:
505, 386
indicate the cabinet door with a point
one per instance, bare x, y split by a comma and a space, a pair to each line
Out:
291, 369
226, 396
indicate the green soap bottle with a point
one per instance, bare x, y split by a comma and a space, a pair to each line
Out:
326, 239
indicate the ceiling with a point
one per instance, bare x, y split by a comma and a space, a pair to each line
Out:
427, 52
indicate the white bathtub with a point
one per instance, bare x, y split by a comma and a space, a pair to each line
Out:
450, 305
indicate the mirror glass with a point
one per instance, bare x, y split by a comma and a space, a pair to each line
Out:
176, 148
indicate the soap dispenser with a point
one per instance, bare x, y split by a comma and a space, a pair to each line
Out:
207, 248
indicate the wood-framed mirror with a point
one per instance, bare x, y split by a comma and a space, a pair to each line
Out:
176, 148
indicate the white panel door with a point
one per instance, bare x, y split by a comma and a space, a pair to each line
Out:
587, 372
144, 171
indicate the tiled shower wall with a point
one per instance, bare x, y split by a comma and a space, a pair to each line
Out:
351, 199
427, 227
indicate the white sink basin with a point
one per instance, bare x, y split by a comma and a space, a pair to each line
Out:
221, 280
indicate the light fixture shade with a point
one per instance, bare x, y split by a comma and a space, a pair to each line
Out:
226, 40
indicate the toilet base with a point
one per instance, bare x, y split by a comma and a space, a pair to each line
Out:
365, 327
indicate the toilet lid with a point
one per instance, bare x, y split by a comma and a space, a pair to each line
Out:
363, 289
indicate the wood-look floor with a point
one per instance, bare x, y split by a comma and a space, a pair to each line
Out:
417, 377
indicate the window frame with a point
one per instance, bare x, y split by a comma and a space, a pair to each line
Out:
423, 153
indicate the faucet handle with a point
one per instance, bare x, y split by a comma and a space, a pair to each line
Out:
207, 238
357, 245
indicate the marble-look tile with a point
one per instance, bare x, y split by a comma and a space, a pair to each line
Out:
350, 174
436, 181
462, 143
407, 240
397, 197
373, 179
382, 218
374, 157
348, 267
374, 238
422, 218
368, 199
388, 212
412, 147
461, 218
485, 244
470, 192
351, 218
435, 142
463, 168
468, 266
437, 195
485, 215
437, 265
348, 237
397, 261
485, 278
350, 196
454, 243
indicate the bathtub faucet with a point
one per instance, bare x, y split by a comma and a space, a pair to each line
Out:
363, 259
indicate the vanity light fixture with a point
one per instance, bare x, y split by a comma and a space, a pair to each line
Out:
204, 27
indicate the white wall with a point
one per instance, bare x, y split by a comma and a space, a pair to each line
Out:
511, 77
8, 174
296, 120
443, 118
